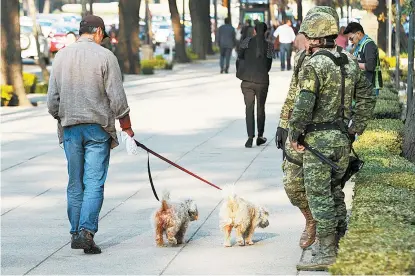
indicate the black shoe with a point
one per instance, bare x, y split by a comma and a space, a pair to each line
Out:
221, 71
248, 143
73, 238
84, 240
261, 140
289, 68
93, 250
226, 71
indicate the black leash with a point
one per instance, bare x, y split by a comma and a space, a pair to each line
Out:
171, 163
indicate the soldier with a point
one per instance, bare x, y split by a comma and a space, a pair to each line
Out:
292, 164
328, 83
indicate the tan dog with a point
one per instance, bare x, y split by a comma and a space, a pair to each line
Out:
242, 215
173, 219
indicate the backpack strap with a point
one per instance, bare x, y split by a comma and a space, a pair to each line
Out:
341, 61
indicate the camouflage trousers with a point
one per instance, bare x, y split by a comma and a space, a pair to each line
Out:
324, 192
294, 178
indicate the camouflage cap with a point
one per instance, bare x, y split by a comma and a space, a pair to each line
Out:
325, 9
318, 24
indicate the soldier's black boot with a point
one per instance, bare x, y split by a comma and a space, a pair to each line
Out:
325, 256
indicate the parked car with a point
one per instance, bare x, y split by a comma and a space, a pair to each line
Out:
57, 37
28, 41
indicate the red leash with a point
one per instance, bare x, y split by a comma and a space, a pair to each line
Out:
171, 163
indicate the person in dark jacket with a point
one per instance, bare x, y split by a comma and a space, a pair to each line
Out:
254, 62
367, 54
226, 41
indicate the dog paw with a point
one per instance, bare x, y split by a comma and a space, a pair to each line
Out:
249, 242
173, 241
227, 244
241, 243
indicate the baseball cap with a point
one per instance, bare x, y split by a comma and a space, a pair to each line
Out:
92, 21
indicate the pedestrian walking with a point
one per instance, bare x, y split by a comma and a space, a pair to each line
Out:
293, 161
86, 96
323, 122
286, 38
367, 54
247, 30
226, 42
253, 64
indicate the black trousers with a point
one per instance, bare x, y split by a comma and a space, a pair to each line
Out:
251, 91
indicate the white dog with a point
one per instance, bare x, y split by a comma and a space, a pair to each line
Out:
242, 215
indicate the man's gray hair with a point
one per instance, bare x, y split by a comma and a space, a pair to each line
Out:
88, 30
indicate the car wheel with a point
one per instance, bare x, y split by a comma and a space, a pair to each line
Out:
24, 41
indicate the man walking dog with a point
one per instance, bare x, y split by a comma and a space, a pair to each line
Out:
86, 96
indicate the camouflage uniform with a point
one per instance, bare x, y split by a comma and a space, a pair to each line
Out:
292, 165
318, 102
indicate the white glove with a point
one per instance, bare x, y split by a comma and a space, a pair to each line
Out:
130, 145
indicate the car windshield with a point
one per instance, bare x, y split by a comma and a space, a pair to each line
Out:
164, 27
45, 23
26, 29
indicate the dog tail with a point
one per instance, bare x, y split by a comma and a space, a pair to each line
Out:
164, 200
228, 192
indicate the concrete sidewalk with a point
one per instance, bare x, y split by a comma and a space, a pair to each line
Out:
192, 119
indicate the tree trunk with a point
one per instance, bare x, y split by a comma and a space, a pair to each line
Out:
46, 7
84, 10
383, 25
10, 49
129, 43
41, 58
208, 27
180, 46
409, 135
199, 43
229, 10
215, 28
300, 10
91, 3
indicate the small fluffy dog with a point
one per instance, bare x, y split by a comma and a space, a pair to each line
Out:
242, 215
173, 219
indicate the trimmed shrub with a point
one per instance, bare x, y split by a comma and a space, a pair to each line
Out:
41, 88
388, 94
147, 67
381, 233
191, 54
29, 81
387, 109
6, 94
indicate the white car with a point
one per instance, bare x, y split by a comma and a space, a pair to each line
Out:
28, 42
162, 33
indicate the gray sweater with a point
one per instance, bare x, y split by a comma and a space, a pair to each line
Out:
86, 87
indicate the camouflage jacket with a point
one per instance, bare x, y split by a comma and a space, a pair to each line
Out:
320, 98
300, 58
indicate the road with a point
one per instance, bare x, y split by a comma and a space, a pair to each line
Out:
193, 116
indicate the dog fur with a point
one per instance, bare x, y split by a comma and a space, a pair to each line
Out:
173, 219
242, 215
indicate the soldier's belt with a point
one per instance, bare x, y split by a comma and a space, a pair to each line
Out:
321, 126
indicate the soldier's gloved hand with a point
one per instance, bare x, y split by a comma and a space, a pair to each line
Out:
352, 137
281, 137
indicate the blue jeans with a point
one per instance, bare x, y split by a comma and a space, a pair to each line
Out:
285, 49
87, 149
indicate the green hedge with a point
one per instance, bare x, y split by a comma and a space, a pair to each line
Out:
381, 233
387, 109
29, 82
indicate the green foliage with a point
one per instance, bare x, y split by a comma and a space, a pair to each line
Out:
147, 67
191, 54
216, 49
387, 109
157, 63
6, 93
381, 235
41, 88
29, 82
388, 94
